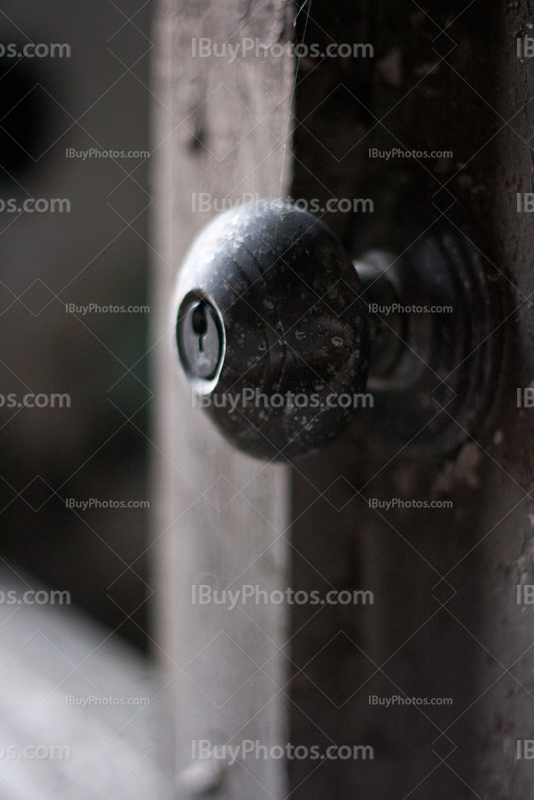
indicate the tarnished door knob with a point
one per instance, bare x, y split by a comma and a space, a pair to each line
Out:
283, 339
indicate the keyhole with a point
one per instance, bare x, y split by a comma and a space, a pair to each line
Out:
200, 324
200, 337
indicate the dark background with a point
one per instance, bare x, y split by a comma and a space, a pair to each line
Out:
97, 253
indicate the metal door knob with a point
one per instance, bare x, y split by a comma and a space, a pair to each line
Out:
284, 340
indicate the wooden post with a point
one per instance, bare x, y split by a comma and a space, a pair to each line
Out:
222, 129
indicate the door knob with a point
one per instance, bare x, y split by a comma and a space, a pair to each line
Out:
284, 340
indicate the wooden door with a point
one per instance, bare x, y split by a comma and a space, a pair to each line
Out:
436, 613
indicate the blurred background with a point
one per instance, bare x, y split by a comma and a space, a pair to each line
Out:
73, 225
